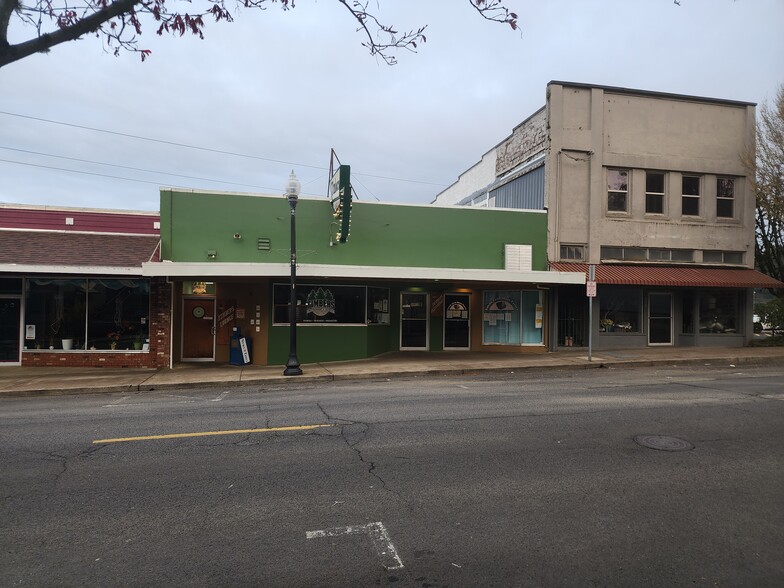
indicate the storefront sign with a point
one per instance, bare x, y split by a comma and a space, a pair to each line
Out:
226, 320
244, 349
340, 195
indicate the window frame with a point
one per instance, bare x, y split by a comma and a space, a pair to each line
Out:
691, 197
79, 315
372, 297
522, 324
616, 192
613, 301
566, 248
661, 196
625, 253
723, 257
721, 199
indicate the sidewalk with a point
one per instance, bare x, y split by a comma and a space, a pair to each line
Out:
25, 381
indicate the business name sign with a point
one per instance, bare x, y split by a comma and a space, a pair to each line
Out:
340, 195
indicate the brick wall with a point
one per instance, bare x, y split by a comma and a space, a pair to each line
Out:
160, 322
157, 357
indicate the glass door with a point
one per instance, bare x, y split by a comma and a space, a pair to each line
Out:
457, 323
10, 316
198, 329
660, 318
413, 320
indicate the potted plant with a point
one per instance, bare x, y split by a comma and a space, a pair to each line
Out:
138, 341
113, 337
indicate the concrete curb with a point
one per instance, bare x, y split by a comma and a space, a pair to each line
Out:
146, 386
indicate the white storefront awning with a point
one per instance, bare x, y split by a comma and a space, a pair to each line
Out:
307, 270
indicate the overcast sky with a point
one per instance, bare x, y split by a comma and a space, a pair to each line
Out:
283, 88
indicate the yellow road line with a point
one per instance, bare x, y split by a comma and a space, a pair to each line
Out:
211, 433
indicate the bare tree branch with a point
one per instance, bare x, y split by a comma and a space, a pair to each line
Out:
119, 23
495, 11
407, 40
89, 24
765, 168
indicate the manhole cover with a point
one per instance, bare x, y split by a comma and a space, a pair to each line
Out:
663, 443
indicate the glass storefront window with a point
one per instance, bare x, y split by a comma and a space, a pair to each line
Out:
10, 285
511, 317
91, 313
56, 310
378, 306
345, 305
118, 311
687, 304
620, 310
718, 312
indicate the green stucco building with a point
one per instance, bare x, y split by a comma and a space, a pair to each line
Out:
406, 278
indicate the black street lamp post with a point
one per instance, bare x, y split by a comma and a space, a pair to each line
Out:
292, 366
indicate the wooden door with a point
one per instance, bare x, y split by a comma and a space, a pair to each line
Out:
198, 329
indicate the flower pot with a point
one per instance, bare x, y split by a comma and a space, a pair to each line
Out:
67, 344
137, 345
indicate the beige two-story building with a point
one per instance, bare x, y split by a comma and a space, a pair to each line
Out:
649, 188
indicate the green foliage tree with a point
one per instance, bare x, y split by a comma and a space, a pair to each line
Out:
119, 22
766, 172
771, 314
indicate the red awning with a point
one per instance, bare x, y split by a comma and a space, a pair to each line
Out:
694, 277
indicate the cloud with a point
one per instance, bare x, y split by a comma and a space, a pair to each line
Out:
289, 86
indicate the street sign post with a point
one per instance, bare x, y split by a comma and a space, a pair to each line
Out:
590, 292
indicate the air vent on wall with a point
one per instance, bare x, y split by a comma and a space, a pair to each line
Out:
518, 258
263, 244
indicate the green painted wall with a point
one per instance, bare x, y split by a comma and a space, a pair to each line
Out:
325, 343
381, 234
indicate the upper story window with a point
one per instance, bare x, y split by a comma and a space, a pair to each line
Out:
573, 252
725, 198
728, 257
617, 190
646, 254
690, 199
654, 193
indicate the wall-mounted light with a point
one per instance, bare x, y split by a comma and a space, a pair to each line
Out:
212, 254
237, 236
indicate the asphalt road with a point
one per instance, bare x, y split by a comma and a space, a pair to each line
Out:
518, 480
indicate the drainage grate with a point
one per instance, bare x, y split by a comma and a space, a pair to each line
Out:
663, 443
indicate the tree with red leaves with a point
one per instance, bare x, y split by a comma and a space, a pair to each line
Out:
119, 23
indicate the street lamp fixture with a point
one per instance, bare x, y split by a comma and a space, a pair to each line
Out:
292, 193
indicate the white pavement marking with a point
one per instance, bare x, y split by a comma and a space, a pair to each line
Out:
221, 397
378, 535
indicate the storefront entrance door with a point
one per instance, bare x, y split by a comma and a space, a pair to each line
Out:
660, 318
198, 329
413, 323
457, 324
9, 330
